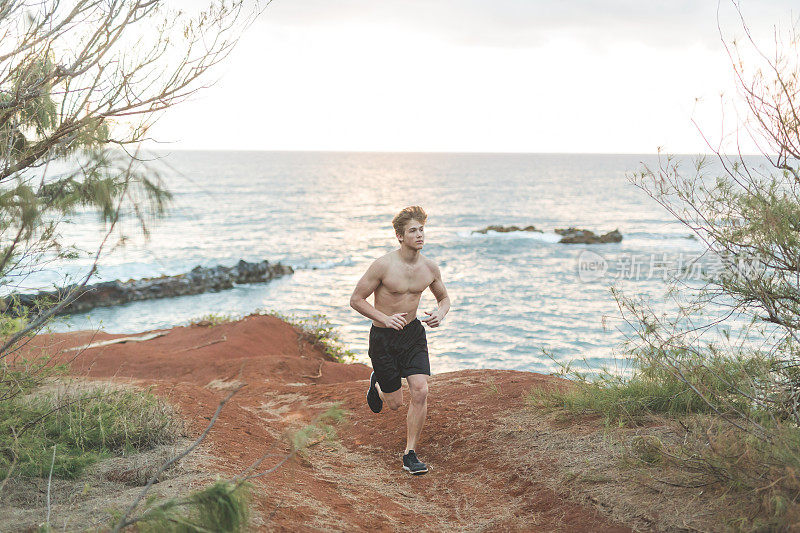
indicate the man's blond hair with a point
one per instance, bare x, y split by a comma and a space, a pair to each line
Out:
413, 212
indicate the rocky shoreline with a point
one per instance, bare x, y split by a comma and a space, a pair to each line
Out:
202, 279
198, 280
570, 235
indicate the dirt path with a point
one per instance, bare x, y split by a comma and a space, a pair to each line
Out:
356, 482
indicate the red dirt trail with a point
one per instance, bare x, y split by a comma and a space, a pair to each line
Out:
356, 484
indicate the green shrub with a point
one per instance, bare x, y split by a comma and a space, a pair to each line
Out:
318, 330
730, 439
211, 319
83, 426
652, 387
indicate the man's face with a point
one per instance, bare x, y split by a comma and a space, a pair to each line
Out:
414, 236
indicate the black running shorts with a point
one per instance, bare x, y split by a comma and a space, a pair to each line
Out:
398, 354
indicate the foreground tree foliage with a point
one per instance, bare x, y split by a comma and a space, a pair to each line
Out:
736, 400
81, 84
749, 216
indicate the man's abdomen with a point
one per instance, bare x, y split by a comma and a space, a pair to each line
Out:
390, 304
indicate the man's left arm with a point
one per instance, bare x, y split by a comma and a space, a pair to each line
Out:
442, 299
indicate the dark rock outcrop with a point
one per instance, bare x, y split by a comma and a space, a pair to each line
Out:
585, 236
198, 280
569, 236
506, 229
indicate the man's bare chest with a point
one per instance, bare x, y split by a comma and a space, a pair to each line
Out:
404, 279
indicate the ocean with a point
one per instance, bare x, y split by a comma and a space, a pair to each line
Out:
520, 300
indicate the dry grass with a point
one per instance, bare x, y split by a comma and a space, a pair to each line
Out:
620, 471
83, 503
86, 494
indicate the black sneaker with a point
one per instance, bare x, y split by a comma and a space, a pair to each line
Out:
412, 464
373, 398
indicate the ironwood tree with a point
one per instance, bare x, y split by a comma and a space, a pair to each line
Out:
81, 84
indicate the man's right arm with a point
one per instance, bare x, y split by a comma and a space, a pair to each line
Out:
366, 286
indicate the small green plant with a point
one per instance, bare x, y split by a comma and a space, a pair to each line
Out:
321, 428
318, 330
492, 388
211, 319
222, 506
647, 448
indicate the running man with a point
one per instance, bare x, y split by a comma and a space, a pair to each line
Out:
398, 347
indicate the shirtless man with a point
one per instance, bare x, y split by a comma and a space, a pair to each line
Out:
398, 346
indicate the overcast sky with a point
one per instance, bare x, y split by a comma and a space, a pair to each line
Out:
597, 76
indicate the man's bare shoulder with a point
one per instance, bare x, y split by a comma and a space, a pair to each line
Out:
386, 258
431, 264
382, 263
389, 258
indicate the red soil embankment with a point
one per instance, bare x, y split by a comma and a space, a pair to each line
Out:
357, 483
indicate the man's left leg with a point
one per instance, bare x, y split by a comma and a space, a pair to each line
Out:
417, 409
